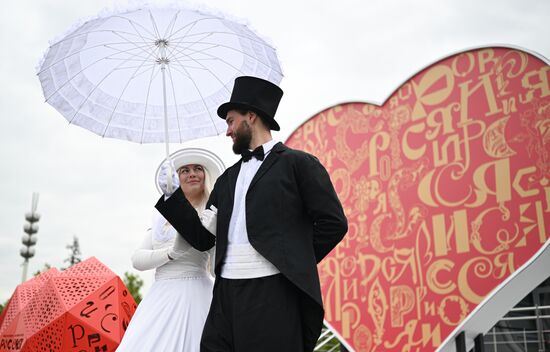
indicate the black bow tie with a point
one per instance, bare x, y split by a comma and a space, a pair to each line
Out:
258, 153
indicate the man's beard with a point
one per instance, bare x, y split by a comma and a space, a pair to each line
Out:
243, 137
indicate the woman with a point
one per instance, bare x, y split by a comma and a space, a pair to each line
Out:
172, 314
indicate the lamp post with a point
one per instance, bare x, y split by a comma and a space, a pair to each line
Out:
29, 238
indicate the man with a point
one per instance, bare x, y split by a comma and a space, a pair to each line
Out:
277, 217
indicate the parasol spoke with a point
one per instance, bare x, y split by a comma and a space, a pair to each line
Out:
132, 77
190, 58
157, 34
149, 53
93, 90
184, 74
140, 54
209, 71
71, 37
130, 59
143, 65
204, 35
189, 66
171, 25
80, 72
79, 52
203, 102
217, 58
150, 42
134, 24
259, 41
175, 101
194, 51
153, 76
190, 25
173, 47
239, 51
73, 77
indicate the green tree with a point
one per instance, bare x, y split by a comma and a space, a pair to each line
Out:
74, 254
2, 306
133, 283
328, 342
45, 268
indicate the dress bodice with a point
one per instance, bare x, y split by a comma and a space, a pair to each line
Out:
153, 253
192, 263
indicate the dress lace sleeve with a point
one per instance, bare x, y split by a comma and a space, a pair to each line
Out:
147, 258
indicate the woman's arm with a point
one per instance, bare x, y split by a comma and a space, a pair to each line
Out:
147, 258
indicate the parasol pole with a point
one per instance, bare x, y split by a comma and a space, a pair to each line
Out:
163, 60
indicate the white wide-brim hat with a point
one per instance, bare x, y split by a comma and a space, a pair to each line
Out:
186, 156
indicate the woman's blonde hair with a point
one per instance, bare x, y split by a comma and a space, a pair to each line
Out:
208, 185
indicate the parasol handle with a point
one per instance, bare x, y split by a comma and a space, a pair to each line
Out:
169, 184
162, 53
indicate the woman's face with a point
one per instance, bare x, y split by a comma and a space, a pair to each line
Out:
191, 179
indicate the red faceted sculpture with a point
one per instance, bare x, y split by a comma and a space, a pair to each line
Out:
84, 308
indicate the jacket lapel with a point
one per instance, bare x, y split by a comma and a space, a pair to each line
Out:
268, 162
232, 174
224, 217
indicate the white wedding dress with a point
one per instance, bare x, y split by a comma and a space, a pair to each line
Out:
171, 316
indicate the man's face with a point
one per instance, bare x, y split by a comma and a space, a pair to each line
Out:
239, 130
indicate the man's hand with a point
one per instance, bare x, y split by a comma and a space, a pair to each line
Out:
209, 218
167, 168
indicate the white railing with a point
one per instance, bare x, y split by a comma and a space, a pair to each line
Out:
521, 338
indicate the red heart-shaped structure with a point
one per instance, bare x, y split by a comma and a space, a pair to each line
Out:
446, 187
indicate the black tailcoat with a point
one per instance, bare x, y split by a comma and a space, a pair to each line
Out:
293, 219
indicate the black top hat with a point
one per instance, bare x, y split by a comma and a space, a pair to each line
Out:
255, 94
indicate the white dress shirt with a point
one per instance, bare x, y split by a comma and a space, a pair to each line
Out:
242, 261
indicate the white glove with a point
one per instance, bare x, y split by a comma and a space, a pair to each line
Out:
179, 247
209, 218
167, 168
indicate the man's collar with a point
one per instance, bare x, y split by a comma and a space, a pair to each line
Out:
268, 146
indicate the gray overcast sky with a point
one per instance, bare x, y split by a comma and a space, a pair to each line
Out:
102, 190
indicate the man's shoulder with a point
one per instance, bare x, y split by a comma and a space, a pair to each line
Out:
297, 154
229, 169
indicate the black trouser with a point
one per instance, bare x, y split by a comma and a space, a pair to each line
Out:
256, 315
